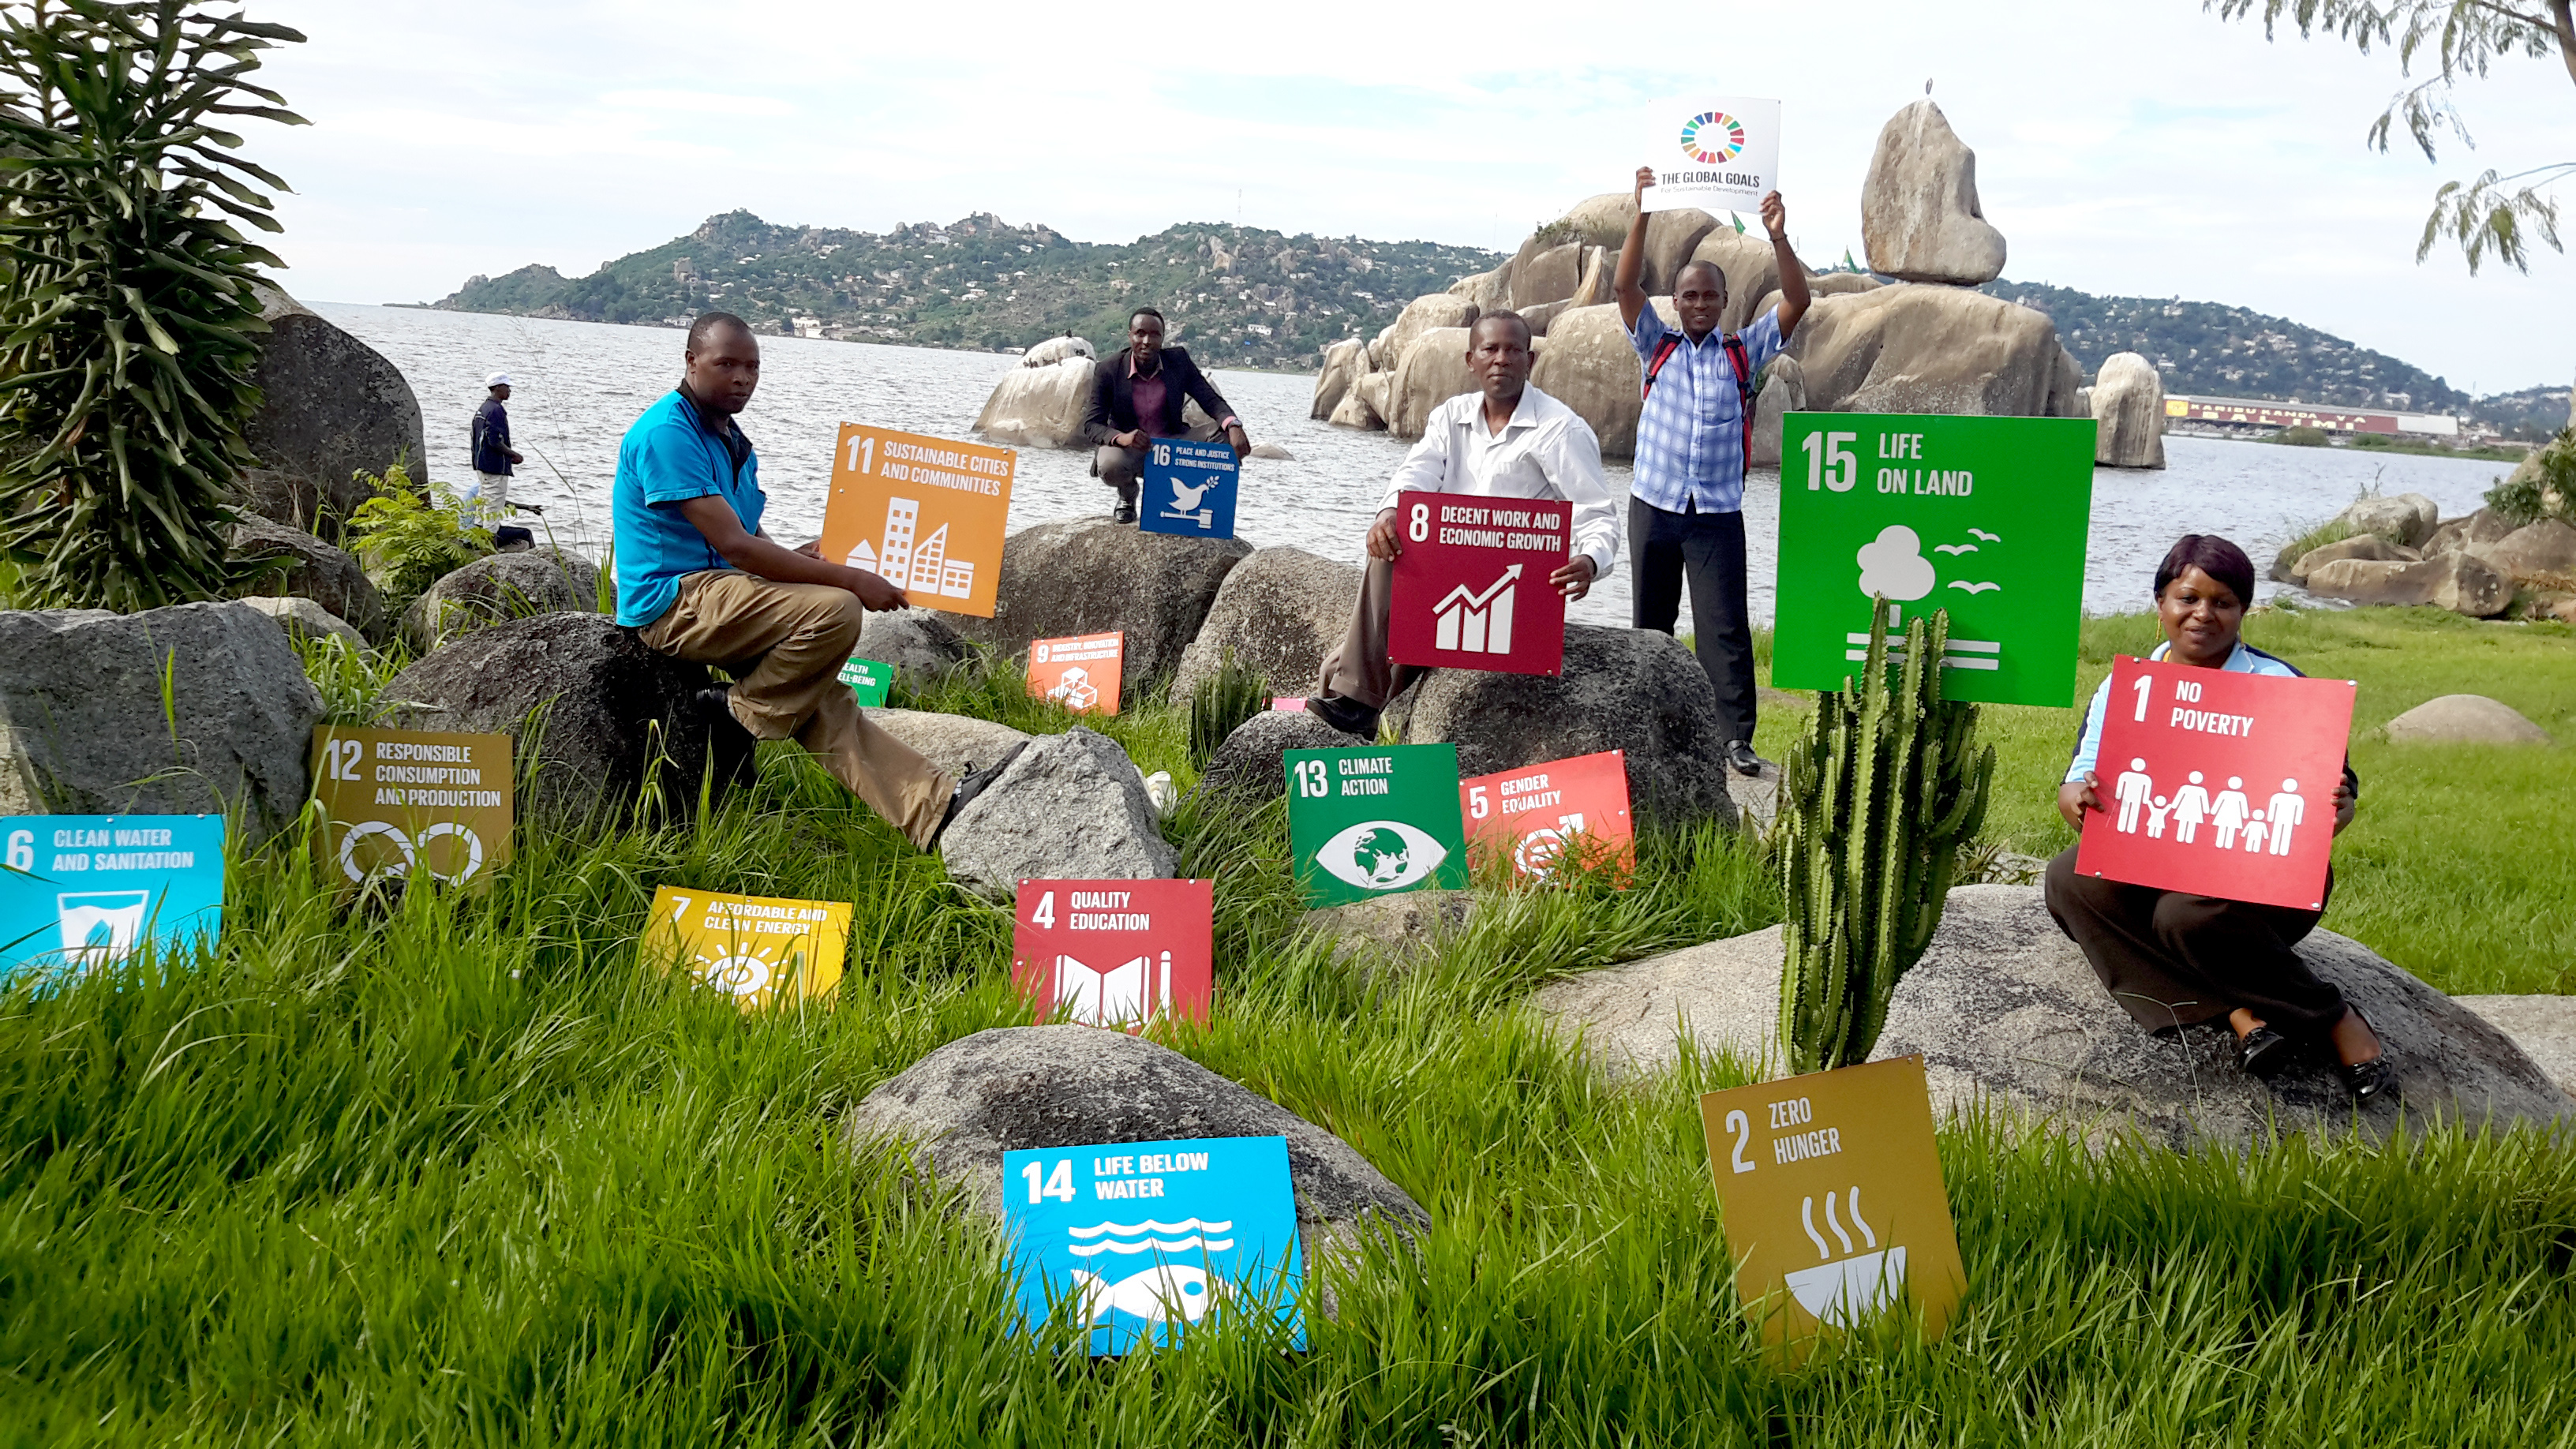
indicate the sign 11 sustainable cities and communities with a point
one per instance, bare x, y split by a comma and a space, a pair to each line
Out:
1984, 517
926, 514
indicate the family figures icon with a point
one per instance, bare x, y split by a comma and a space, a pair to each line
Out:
2230, 813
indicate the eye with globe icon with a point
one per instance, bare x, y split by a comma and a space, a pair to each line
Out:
1381, 855
1712, 137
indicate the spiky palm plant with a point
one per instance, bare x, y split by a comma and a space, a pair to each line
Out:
127, 309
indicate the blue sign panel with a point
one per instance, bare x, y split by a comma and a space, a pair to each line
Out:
1189, 489
1141, 1240
84, 891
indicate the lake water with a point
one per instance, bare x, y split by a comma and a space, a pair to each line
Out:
579, 384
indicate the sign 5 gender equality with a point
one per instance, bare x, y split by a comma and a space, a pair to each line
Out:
1142, 1242
759, 950
926, 514
1984, 517
1373, 822
399, 799
82, 892
1718, 153
1830, 1188
2218, 784
1116, 953
1080, 671
1189, 489
1536, 815
1471, 586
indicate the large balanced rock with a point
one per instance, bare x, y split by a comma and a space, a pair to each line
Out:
1919, 216
1071, 807
499, 587
2408, 518
304, 618
330, 408
2465, 719
2007, 1014
923, 646
1434, 311
1433, 371
1344, 361
2366, 546
1589, 365
328, 576
1016, 1088
1623, 689
1280, 611
960, 744
1091, 576
2129, 413
1039, 407
2536, 550
86, 728
596, 706
1932, 350
1251, 760
2460, 582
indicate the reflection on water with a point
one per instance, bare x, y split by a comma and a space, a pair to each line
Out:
579, 384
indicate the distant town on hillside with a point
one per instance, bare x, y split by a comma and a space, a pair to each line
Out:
1245, 297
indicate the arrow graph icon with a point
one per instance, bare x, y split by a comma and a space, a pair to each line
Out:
1476, 622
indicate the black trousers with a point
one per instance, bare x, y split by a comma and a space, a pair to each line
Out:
2171, 959
1709, 547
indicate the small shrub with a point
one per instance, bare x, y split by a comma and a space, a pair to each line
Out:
1221, 704
2545, 489
2333, 530
2299, 438
410, 541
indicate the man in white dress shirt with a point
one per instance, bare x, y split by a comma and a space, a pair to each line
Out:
1507, 440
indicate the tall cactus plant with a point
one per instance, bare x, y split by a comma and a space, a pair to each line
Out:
1875, 801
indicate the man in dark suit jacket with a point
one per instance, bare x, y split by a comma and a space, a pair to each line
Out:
1137, 397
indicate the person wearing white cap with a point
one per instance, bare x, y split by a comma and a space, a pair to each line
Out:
492, 455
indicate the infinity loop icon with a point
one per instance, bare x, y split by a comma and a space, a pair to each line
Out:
411, 849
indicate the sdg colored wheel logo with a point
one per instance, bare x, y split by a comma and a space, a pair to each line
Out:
1712, 138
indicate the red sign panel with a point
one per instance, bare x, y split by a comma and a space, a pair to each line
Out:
1471, 589
2218, 784
1116, 953
1537, 815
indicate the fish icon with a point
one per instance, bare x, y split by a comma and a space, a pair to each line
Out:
1156, 1295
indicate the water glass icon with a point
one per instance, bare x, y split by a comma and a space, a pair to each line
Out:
101, 926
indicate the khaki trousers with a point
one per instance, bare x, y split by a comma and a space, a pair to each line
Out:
1358, 668
785, 645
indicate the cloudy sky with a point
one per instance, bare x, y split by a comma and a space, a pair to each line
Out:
2131, 146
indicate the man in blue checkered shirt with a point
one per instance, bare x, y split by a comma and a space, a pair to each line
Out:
1685, 510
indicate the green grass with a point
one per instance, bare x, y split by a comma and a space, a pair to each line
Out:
2459, 863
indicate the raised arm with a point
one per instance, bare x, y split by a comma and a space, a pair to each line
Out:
755, 553
1793, 277
1632, 257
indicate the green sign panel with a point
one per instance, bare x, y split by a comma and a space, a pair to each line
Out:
1984, 517
1374, 822
869, 680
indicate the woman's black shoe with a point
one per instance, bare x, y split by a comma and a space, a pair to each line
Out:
2368, 1079
2264, 1052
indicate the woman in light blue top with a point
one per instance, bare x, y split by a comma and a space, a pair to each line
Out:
2173, 959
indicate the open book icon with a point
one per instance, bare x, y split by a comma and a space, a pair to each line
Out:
1120, 996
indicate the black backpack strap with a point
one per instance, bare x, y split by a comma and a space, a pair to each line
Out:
1737, 354
1664, 351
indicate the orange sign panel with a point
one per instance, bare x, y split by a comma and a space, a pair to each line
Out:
759, 950
927, 514
1536, 815
1080, 672
1830, 1187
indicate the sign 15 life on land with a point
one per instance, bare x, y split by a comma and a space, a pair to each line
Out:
1080, 672
1142, 1242
1189, 489
1984, 517
1536, 816
1830, 1189
926, 514
2218, 784
869, 681
759, 950
402, 801
1471, 586
1717, 153
1115, 953
82, 892
1372, 822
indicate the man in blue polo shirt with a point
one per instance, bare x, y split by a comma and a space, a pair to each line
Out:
1686, 504
698, 579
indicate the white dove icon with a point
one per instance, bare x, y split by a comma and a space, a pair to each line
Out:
1186, 498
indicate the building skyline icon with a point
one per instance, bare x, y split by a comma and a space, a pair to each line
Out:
919, 564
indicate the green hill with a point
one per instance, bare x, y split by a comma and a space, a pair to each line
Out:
1234, 295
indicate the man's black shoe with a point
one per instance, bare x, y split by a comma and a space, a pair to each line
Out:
976, 783
1739, 753
1126, 514
729, 745
1347, 715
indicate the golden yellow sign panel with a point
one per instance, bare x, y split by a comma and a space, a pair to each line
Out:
758, 950
396, 801
1830, 1187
